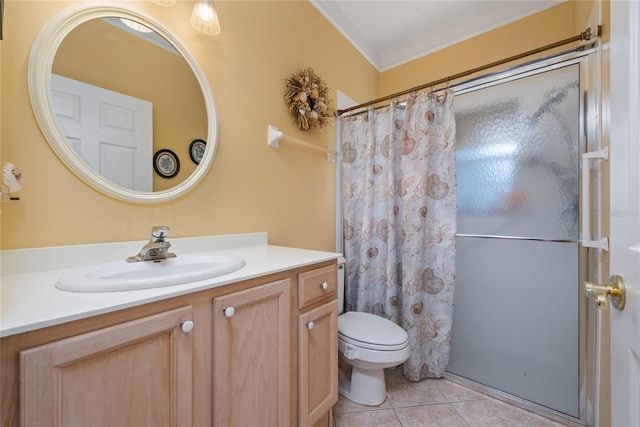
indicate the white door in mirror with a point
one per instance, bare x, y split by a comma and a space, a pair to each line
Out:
111, 131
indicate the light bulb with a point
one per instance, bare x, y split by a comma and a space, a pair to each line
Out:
205, 18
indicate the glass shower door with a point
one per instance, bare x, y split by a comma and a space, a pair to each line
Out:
516, 321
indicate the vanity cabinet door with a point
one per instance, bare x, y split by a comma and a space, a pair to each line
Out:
135, 373
318, 361
251, 356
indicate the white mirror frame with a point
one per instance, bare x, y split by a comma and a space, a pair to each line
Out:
39, 79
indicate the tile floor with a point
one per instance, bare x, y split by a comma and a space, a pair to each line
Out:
434, 403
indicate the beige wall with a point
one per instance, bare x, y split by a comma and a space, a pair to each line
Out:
250, 187
289, 192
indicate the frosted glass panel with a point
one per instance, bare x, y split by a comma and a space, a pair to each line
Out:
517, 157
515, 325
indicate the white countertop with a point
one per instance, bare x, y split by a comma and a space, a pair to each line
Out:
30, 300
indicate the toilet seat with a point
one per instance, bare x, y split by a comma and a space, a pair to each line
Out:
370, 346
371, 332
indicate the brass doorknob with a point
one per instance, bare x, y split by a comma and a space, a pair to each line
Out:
614, 291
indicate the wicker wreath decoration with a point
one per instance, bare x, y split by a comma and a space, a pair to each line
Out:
307, 96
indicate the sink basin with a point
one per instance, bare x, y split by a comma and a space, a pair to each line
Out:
124, 276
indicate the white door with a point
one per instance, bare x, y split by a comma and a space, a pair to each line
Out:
110, 131
625, 205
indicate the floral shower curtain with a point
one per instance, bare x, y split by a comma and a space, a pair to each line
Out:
399, 202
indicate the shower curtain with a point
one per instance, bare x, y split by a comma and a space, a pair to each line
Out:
399, 204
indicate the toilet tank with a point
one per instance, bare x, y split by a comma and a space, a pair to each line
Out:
341, 263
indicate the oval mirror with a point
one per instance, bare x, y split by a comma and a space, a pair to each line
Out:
122, 103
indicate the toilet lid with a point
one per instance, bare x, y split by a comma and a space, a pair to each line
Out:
371, 329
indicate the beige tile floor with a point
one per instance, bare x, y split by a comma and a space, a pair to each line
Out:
434, 403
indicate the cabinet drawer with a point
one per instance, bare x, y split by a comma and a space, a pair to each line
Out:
315, 285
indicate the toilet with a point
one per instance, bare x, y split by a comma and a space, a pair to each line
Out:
367, 344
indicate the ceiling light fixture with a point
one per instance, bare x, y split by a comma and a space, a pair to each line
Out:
205, 18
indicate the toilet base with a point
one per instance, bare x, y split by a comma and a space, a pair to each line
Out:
366, 386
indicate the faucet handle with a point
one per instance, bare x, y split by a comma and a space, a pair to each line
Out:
159, 233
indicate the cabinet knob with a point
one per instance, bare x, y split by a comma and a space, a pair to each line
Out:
229, 311
186, 326
324, 285
309, 325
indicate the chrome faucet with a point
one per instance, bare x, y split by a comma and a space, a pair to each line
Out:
157, 247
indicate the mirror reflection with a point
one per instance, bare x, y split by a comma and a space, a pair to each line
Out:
121, 93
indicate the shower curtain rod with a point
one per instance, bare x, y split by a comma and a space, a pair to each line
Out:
585, 35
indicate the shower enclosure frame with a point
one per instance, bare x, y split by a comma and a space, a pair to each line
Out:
589, 262
588, 58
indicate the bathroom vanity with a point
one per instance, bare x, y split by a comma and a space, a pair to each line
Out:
254, 347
